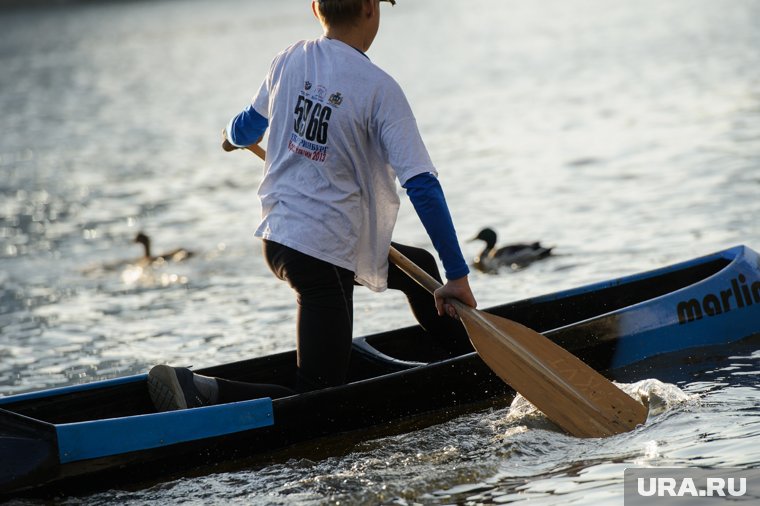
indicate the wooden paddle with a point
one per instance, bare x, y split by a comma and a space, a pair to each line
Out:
569, 392
573, 395
257, 150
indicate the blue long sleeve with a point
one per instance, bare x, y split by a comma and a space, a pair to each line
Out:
428, 200
246, 128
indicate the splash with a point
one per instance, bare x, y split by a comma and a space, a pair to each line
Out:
659, 397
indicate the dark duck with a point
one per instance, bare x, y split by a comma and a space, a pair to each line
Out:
514, 256
176, 255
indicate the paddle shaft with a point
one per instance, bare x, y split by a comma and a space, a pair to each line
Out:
415, 272
257, 150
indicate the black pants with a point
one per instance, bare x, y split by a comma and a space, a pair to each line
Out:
324, 294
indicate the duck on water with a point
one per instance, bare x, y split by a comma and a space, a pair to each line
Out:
176, 255
514, 256
144, 261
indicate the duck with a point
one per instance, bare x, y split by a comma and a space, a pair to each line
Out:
515, 256
176, 255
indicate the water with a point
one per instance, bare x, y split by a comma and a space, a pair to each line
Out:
625, 133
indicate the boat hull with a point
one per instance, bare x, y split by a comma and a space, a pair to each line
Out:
399, 375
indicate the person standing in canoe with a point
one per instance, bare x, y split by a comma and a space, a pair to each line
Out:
341, 132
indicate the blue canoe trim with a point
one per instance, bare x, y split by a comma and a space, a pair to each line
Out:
98, 384
733, 254
101, 438
661, 325
728, 304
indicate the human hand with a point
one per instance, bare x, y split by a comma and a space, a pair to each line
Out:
454, 289
227, 145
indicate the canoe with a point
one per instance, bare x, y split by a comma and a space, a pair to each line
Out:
103, 433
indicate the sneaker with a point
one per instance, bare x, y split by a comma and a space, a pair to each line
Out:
173, 388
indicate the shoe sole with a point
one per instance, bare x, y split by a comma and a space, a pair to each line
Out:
164, 389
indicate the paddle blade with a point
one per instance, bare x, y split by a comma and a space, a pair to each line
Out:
570, 393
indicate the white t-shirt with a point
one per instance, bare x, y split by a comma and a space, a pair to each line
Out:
340, 132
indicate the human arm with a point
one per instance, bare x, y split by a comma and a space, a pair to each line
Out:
244, 130
427, 197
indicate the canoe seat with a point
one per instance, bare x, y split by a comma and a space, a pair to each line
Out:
367, 361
